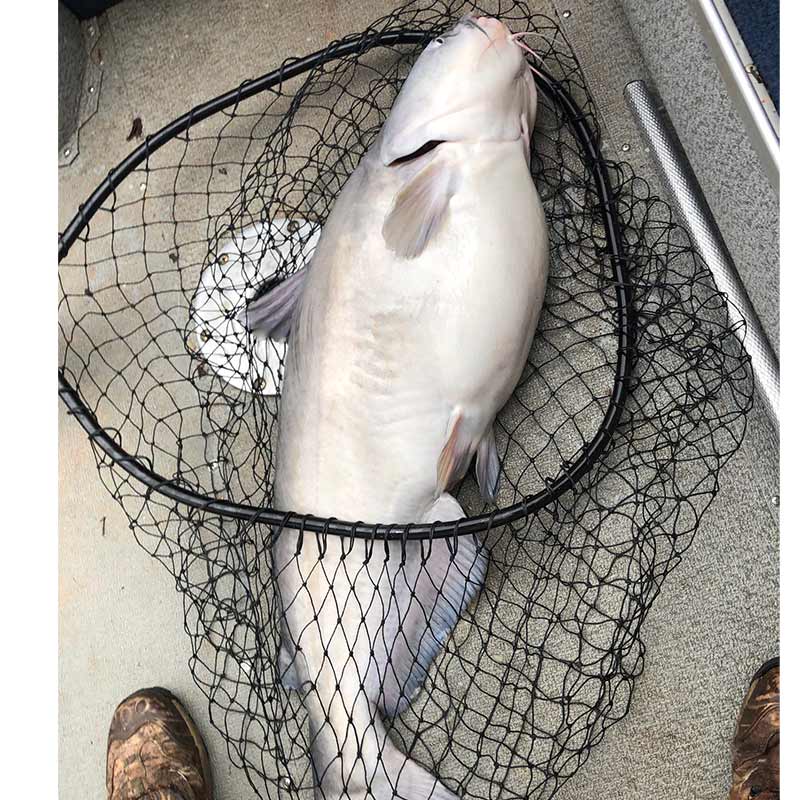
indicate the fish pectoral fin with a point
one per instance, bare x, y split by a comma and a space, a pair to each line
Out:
455, 456
487, 466
270, 315
419, 210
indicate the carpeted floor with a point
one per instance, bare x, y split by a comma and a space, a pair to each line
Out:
717, 617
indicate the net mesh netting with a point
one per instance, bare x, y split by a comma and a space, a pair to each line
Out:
542, 660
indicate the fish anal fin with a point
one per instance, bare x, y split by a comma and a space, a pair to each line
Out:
455, 456
487, 466
270, 316
442, 579
419, 210
444, 509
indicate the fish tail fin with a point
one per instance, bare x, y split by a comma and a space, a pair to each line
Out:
408, 780
413, 784
360, 761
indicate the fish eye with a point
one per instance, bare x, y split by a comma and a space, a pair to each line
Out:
439, 40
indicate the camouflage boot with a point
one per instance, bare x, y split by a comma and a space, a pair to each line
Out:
756, 743
155, 751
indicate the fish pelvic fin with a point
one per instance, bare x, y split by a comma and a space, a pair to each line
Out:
270, 316
419, 210
487, 466
456, 454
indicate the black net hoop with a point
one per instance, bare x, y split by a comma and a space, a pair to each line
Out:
634, 397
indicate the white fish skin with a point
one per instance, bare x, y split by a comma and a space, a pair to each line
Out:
407, 335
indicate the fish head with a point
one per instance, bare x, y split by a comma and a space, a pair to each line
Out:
469, 84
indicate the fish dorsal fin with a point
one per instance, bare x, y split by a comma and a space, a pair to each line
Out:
419, 209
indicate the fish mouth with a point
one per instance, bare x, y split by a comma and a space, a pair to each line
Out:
491, 27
